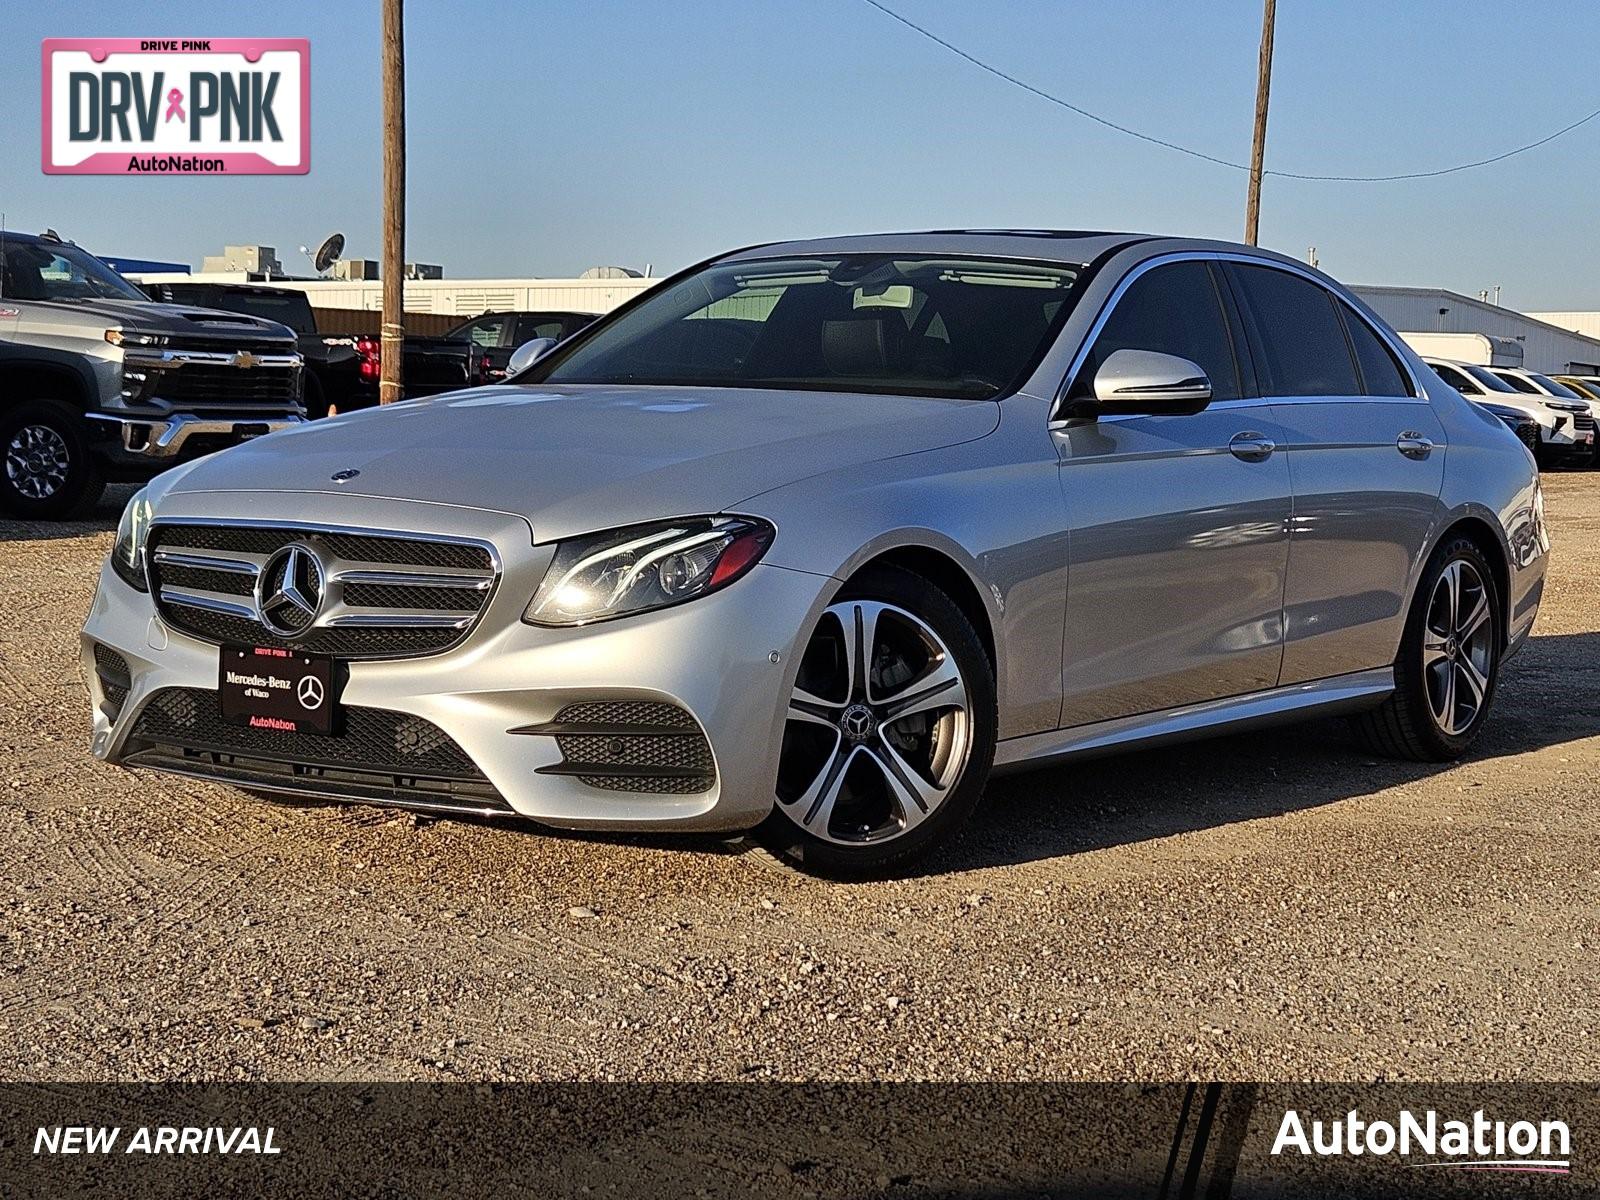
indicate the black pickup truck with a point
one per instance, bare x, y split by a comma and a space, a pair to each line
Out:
342, 371
335, 370
495, 335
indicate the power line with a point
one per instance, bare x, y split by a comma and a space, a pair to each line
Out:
1212, 158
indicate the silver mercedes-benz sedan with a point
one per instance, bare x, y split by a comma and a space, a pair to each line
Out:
809, 539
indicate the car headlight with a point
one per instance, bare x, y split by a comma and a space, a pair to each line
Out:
133, 531
644, 567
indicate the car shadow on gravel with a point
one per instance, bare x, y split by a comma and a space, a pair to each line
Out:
103, 519
1549, 695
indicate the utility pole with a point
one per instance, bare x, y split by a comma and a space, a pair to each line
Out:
1258, 146
393, 338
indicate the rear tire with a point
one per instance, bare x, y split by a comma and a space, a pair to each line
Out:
890, 735
1448, 664
47, 469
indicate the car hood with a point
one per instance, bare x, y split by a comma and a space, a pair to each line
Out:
575, 458
187, 321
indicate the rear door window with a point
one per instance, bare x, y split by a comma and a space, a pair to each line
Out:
1175, 309
1380, 373
1302, 349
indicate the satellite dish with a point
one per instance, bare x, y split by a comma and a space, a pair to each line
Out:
328, 253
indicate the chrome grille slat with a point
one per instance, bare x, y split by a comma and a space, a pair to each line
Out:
237, 564
401, 577
397, 618
210, 602
409, 595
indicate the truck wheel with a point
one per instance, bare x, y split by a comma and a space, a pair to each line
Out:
50, 472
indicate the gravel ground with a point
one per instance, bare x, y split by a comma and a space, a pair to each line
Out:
1272, 906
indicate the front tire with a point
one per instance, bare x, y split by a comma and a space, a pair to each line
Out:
890, 732
1448, 664
49, 471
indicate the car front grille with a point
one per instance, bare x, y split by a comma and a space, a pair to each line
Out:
630, 746
382, 595
386, 757
1583, 421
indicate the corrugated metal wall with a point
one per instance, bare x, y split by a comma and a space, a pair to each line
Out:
1586, 323
1544, 347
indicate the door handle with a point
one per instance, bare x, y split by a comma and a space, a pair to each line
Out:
1251, 447
1413, 445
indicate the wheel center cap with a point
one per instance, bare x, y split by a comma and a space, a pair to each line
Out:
857, 722
1451, 648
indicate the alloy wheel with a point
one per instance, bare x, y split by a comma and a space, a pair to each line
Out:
1458, 647
879, 727
37, 461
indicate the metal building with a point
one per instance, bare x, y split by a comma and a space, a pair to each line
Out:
1545, 346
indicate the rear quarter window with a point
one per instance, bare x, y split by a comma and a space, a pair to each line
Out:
1380, 373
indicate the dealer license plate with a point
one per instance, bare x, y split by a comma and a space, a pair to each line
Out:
280, 691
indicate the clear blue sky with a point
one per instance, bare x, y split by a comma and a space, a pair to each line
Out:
551, 135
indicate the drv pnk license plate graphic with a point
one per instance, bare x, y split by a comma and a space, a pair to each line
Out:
177, 106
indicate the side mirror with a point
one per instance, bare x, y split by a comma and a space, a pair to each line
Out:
526, 354
1144, 383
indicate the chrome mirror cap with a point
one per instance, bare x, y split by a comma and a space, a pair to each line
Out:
525, 355
1147, 381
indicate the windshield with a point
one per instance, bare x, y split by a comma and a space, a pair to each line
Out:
287, 308
932, 326
1554, 388
1488, 378
56, 271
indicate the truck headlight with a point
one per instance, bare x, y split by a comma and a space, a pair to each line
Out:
644, 567
125, 337
133, 531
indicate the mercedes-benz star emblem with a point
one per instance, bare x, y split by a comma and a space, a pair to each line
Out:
857, 722
344, 476
310, 692
289, 590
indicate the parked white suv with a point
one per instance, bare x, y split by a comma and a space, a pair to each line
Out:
1566, 427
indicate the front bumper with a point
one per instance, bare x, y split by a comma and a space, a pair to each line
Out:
1566, 436
712, 658
162, 440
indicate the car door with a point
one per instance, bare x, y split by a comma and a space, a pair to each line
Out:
1366, 457
1178, 525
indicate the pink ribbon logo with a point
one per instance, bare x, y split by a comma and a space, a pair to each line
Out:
175, 105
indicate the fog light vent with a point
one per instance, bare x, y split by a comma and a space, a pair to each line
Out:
115, 680
630, 746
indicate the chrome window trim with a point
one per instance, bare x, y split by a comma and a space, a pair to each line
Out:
1419, 394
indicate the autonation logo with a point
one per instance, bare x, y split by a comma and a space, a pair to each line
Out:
177, 106
1480, 1144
